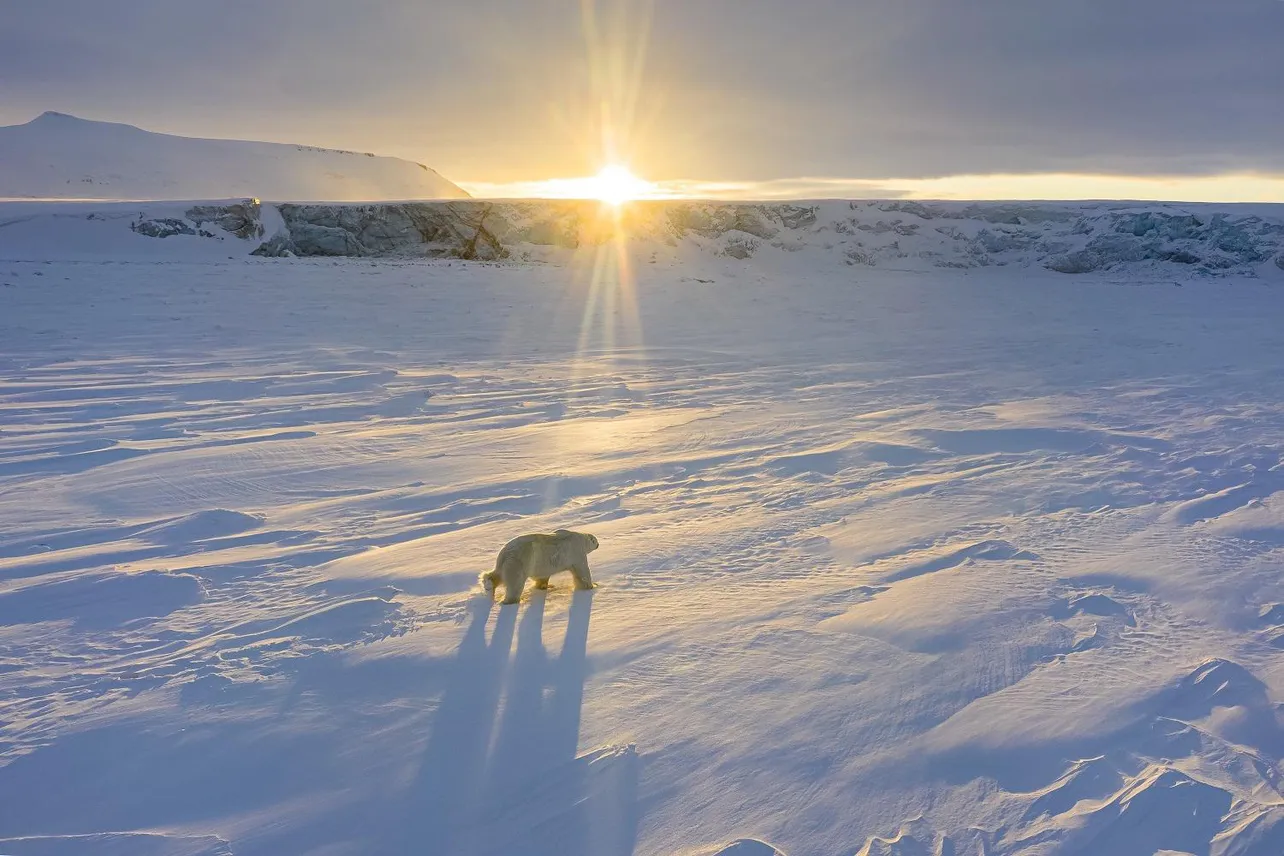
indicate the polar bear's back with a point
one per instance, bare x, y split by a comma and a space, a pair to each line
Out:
540, 549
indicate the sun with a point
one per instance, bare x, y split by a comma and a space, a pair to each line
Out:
615, 184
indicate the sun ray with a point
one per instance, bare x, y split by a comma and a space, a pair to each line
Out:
616, 43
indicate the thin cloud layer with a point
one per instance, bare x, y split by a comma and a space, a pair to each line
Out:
723, 90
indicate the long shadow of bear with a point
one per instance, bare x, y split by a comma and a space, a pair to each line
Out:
513, 783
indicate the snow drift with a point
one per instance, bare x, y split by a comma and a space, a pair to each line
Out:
56, 156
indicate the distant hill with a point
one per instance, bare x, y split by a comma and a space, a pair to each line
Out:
57, 156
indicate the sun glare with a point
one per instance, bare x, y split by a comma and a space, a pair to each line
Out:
615, 185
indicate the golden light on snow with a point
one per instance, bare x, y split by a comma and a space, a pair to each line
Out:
610, 310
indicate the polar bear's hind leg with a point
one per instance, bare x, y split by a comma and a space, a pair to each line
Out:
513, 572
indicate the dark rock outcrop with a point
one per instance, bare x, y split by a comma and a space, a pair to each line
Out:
163, 227
241, 219
276, 247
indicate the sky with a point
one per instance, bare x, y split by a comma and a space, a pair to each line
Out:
773, 98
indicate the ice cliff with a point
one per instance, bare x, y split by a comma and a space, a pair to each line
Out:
1070, 238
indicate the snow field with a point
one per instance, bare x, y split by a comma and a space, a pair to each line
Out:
891, 563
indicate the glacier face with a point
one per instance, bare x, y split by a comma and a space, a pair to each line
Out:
1069, 238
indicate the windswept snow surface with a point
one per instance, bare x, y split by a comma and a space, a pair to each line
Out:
946, 562
56, 156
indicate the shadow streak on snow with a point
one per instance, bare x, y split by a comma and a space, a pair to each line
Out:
530, 791
448, 786
532, 795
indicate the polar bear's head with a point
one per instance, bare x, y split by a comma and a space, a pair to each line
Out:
586, 541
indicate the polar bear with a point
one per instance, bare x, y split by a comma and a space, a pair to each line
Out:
538, 557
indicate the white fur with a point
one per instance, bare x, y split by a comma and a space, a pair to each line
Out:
538, 557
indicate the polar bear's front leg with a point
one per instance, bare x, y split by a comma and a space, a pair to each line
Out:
583, 579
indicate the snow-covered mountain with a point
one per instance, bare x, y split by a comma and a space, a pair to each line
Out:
57, 156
